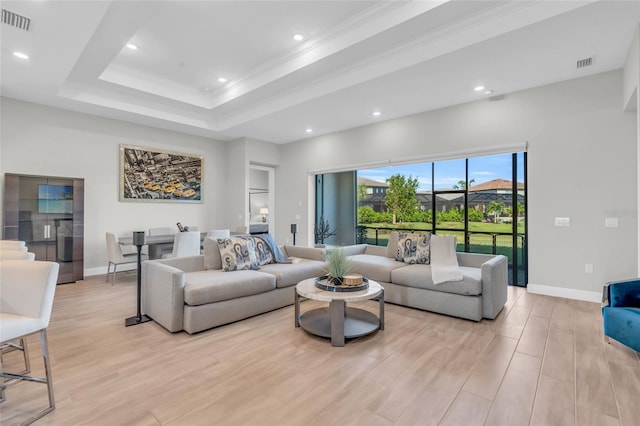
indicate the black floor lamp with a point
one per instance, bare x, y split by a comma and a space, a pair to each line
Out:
138, 241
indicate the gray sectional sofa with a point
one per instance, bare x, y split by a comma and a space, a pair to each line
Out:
195, 294
481, 294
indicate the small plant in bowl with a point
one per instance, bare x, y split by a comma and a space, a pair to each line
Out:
338, 265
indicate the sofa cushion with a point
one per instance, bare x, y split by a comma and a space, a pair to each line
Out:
204, 287
419, 276
292, 273
392, 244
413, 248
354, 249
237, 253
212, 259
377, 268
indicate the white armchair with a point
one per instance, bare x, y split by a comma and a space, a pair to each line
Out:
219, 233
26, 300
185, 244
117, 257
16, 255
12, 245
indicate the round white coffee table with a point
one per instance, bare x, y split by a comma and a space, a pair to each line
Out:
338, 321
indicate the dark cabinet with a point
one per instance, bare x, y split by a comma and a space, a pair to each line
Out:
48, 214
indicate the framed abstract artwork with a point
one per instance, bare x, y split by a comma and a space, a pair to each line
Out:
148, 174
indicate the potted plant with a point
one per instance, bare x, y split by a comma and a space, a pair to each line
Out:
323, 230
338, 265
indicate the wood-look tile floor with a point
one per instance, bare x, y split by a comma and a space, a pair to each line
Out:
543, 361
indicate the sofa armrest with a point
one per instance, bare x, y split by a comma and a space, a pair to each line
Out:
494, 285
186, 264
313, 253
623, 293
473, 260
163, 294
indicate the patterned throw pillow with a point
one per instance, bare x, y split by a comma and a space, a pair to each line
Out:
237, 253
263, 251
413, 248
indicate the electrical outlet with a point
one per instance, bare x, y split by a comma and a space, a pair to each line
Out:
588, 268
611, 222
288, 241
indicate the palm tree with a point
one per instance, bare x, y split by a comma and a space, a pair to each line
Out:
495, 208
462, 184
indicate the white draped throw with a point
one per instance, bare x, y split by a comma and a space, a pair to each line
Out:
444, 263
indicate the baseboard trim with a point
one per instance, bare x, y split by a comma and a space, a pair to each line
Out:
567, 293
103, 270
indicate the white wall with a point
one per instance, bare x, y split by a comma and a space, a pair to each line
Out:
242, 153
631, 73
47, 141
631, 101
581, 164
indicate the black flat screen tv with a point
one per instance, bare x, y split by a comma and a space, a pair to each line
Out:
55, 198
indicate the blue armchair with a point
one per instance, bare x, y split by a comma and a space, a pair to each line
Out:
621, 312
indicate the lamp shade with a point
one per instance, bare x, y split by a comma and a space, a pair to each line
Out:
264, 210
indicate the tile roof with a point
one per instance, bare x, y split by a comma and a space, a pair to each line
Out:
494, 185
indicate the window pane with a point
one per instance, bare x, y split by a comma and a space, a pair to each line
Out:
492, 215
450, 174
376, 215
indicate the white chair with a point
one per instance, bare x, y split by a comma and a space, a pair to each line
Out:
27, 290
185, 244
219, 233
18, 344
13, 245
16, 255
117, 257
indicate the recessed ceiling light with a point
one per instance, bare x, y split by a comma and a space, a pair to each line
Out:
298, 37
132, 46
20, 55
487, 92
309, 130
222, 79
478, 88
376, 113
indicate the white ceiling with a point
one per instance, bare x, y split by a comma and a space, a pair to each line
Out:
397, 57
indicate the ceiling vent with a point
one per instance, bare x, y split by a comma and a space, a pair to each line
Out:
15, 20
582, 63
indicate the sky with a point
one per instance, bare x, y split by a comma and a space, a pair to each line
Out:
449, 173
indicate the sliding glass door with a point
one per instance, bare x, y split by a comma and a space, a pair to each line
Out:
480, 200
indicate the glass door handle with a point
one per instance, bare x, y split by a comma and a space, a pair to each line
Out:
47, 231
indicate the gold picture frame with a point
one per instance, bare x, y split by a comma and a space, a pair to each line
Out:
154, 175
